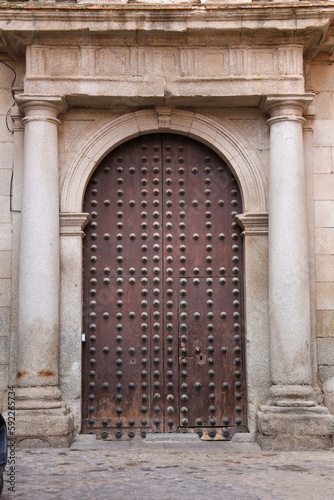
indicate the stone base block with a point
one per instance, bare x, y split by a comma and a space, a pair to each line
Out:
43, 427
46, 442
41, 418
295, 428
328, 388
244, 437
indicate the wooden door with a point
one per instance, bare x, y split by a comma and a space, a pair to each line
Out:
163, 293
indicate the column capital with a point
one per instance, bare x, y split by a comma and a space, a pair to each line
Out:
17, 116
253, 223
72, 224
286, 107
41, 107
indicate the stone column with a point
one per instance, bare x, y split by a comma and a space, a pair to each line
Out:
292, 417
38, 316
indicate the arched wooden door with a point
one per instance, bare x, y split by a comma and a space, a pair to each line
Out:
163, 293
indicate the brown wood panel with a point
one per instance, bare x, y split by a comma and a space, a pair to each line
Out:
163, 293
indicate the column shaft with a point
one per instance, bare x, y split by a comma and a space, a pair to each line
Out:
289, 284
289, 277
38, 329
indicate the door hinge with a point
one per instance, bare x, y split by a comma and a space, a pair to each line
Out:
83, 337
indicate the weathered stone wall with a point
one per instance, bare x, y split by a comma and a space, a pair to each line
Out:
6, 156
320, 80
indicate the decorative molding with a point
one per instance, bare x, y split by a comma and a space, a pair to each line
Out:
40, 118
164, 116
17, 116
147, 62
72, 224
253, 223
163, 71
308, 124
285, 118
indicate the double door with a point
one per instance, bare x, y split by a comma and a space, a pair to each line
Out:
163, 293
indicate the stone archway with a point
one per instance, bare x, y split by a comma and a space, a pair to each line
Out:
220, 135
226, 140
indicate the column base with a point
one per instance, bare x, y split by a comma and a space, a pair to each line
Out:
292, 395
295, 428
42, 419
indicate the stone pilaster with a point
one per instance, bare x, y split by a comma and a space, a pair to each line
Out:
18, 147
41, 413
255, 235
70, 382
292, 419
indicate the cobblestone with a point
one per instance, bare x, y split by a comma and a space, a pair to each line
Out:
156, 470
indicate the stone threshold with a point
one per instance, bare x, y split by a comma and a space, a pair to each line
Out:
178, 437
87, 442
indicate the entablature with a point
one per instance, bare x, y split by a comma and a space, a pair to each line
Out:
172, 73
200, 23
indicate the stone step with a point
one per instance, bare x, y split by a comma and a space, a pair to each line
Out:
175, 437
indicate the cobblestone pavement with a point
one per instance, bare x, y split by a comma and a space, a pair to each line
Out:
170, 470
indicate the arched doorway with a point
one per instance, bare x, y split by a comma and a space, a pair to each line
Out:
163, 293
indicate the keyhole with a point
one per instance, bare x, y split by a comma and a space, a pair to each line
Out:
201, 357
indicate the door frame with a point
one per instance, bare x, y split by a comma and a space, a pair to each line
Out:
226, 140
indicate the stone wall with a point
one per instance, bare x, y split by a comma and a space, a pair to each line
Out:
320, 81
6, 157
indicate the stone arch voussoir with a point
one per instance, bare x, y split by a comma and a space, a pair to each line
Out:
218, 134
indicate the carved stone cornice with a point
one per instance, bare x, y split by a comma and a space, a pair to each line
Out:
253, 223
72, 224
